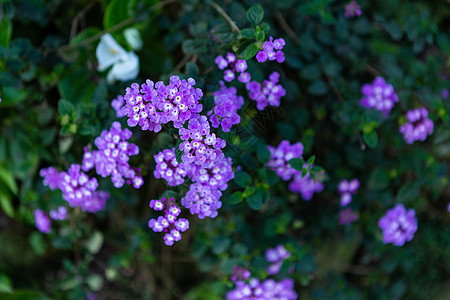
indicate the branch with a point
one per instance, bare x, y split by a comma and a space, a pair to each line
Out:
227, 17
286, 27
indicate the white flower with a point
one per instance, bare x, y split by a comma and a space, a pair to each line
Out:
133, 38
125, 65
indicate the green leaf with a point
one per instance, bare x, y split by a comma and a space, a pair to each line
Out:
95, 242
5, 31
263, 153
12, 96
271, 177
408, 191
95, 282
220, 245
178, 153
116, 12
249, 191
371, 139
378, 180
260, 36
255, 201
242, 179
8, 179
36, 240
5, 203
192, 69
235, 198
248, 33
255, 14
311, 160
5, 284
318, 88
265, 27
65, 107
250, 51
297, 163
194, 47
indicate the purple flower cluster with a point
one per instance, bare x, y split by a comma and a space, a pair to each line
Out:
379, 95
239, 274
170, 223
58, 214
112, 156
280, 157
43, 222
200, 146
231, 65
398, 225
168, 168
305, 186
271, 50
268, 289
347, 216
276, 256
267, 93
352, 9
152, 105
227, 103
347, 189
51, 177
418, 127
117, 104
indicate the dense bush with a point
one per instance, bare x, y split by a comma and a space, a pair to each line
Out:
297, 147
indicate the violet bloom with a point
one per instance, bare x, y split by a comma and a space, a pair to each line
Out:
216, 177
202, 200
227, 103
153, 104
231, 65
200, 146
111, 158
58, 214
276, 256
398, 225
379, 95
347, 189
418, 127
167, 167
268, 289
240, 274
444, 94
267, 93
347, 216
280, 157
170, 223
43, 222
305, 186
271, 51
51, 177
118, 105
352, 9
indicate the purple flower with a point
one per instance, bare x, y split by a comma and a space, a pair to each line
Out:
352, 9
168, 168
444, 94
239, 274
117, 104
51, 177
269, 51
305, 186
267, 93
111, 158
347, 216
154, 104
379, 95
276, 256
347, 189
398, 225
233, 65
43, 222
280, 157
268, 289
169, 223
227, 103
202, 200
418, 127
200, 146
58, 214
95, 203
